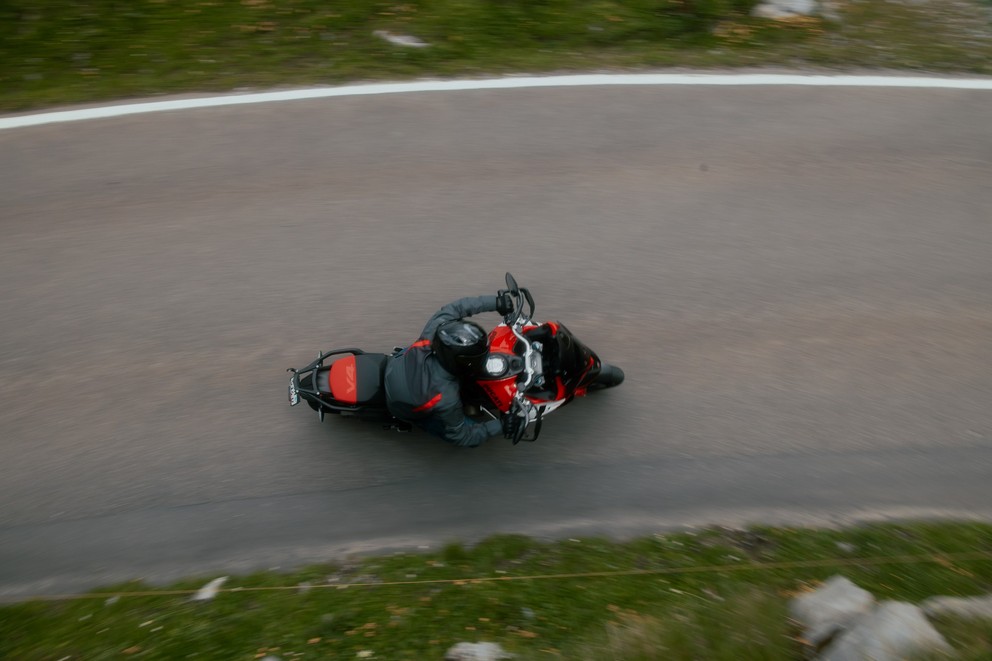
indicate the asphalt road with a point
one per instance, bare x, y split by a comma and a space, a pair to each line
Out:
797, 281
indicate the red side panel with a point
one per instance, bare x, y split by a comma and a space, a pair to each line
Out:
502, 339
344, 381
420, 343
500, 392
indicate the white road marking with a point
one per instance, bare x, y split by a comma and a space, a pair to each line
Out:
500, 83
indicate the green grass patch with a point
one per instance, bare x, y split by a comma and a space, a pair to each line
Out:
55, 52
713, 594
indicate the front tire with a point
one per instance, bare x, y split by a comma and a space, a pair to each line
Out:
609, 376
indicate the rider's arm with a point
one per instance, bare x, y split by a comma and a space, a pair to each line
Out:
463, 307
455, 427
449, 420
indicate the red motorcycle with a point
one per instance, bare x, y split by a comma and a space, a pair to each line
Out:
531, 370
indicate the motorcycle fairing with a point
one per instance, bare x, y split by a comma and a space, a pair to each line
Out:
577, 365
569, 365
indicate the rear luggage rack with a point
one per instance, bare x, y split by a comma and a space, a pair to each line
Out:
313, 395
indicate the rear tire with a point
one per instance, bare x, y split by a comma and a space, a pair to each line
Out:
609, 376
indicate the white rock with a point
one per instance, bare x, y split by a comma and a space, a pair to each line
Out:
973, 607
476, 652
778, 9
823, 612
401, 39
209, 591
892, 632
831, 10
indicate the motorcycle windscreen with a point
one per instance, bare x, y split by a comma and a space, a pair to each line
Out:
577, 365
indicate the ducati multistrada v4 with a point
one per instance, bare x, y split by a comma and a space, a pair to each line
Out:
531, 370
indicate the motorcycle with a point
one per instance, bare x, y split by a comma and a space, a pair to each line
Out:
531, 370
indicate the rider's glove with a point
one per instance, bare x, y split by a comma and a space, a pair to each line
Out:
504, 302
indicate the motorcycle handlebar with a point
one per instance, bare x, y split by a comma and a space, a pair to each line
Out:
520, 296
530, 301
519, 418
521, 408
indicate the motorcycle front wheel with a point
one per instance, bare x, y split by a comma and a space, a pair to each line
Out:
609, 376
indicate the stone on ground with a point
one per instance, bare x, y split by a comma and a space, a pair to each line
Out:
964, 607
892, 632
779, 9
827, 610
477, 652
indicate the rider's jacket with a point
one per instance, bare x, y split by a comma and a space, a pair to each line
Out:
420, 391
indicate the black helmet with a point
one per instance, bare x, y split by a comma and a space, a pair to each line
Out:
460, 345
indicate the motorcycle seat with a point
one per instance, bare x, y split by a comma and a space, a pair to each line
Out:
354, 379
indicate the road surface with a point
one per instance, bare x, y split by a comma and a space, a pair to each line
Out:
797, 282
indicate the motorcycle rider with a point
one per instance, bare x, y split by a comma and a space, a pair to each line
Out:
423, 381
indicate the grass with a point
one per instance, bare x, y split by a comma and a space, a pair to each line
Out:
57, 52
700, 595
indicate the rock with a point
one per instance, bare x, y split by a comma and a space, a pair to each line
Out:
401, 39
779, 9
476, 652
209, 591
829, 609
830, 10
969, 608
892, 632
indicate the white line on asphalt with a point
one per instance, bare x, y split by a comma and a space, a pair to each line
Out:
499, 83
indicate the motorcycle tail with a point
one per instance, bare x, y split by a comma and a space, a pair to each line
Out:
344, 382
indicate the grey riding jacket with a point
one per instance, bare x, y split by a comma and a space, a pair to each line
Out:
420, 391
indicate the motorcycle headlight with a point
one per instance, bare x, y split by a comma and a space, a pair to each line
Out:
496, 365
